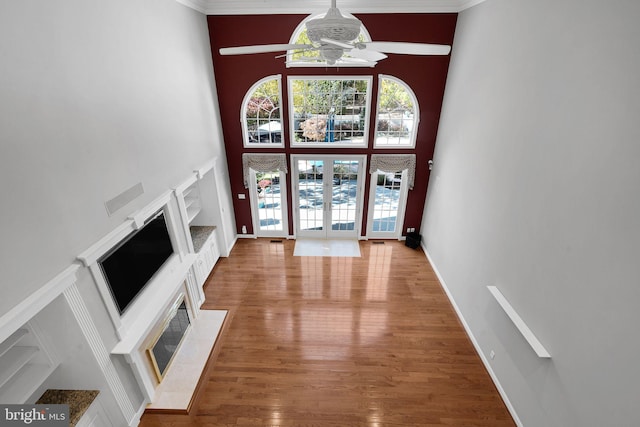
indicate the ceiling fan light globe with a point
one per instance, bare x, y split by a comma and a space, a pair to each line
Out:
331, 54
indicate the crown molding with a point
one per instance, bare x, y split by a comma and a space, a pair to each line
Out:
199, 5
466, 4
272, 7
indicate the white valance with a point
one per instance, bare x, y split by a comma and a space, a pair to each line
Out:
392, 163
262, 163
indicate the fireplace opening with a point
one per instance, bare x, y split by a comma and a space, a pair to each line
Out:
165, 346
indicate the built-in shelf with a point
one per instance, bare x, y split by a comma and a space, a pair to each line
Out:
27, 357
13, 360
24, 383
192, 204
194, 199
189, 202
520, 324
7, 344
192, 212
189, 191
24, 365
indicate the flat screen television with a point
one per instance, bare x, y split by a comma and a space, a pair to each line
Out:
130, 265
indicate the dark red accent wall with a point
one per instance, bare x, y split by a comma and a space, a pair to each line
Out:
426, 75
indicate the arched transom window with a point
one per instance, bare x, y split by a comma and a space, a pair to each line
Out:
330, 112
397, 114
262, 114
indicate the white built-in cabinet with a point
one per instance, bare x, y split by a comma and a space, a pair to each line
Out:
94, 416
32, 342
32, 346
208, 255
200, 212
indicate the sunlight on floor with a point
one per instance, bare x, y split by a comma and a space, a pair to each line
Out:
325, 247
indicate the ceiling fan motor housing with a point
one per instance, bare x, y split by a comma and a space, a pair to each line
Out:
333, 26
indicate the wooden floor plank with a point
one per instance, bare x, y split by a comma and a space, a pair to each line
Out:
322, 341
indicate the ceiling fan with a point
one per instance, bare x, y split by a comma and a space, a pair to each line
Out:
334, 37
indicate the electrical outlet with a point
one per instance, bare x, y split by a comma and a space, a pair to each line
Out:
492, 355
408, 229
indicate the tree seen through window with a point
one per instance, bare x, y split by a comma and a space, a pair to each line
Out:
262, 114
329, 110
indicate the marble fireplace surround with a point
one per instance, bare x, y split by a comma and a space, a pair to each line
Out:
169, 337
180, 383
181, 379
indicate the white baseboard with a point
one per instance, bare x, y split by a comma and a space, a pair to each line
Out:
136, 419
247, 236
486, 363
230, 247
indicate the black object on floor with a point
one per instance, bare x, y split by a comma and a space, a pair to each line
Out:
413, 240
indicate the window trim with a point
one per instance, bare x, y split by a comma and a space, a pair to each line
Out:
291, 113
243, 118
416, 114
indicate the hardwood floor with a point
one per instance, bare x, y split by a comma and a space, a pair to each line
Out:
312, 341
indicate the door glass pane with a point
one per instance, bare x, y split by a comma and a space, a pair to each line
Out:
269, 201
344, 184
385, 211
310, 195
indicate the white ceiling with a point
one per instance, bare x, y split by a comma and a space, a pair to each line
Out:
266, 7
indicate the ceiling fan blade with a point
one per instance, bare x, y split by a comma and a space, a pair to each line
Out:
337, 43
342, 61
308, 49
361, 62
357, 51
409, 48
366, 54
262, 48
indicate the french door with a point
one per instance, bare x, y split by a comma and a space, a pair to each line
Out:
327, 195
387, 202
268, 199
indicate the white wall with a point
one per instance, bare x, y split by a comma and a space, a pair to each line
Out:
536, 190
95, 97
